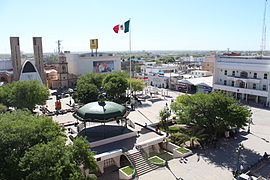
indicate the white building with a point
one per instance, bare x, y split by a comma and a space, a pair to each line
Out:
6, 65
245, 77
163, 80
29, 72
81, 63
154, 68
200, 73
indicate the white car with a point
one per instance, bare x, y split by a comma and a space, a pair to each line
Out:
246, 177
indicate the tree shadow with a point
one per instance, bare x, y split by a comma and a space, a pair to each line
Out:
153, 100
144, 105
225, 154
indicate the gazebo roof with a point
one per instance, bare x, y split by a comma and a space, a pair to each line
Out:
101, 112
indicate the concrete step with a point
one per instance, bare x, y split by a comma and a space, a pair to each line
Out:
141, 164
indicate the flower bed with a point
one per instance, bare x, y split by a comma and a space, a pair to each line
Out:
126, 172
157, 160
181, 152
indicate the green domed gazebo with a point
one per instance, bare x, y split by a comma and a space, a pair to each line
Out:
101, 112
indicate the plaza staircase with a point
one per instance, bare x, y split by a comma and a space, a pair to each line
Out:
141, 163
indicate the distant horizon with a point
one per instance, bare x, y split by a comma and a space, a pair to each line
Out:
134, 51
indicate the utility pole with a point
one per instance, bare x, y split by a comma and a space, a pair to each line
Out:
263, 30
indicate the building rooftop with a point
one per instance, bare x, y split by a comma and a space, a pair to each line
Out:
129, 143
201, 80
244, 57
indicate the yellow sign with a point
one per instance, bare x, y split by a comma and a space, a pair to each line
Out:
93, 43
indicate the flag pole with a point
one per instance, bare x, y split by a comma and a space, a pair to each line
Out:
130, 75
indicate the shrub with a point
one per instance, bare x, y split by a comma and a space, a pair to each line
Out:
179, 138
174, 129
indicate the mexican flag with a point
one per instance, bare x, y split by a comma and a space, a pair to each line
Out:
124, 27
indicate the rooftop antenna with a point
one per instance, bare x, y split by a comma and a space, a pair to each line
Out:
263, 30
59, 46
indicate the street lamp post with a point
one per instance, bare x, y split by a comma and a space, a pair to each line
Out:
238, 151
249, 123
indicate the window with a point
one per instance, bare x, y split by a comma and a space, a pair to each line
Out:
225, 72
255, 76
265, 76
225, 82
244, 74
232, 83
242, 84
254, 86
233, 73
264, 87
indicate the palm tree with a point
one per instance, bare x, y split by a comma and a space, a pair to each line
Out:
164, 115
196, 136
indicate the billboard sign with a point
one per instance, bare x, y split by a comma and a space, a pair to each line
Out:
93, 43
103, 66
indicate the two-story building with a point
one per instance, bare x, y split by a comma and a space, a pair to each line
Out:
245, 77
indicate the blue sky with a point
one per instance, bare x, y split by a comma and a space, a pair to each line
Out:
155, 24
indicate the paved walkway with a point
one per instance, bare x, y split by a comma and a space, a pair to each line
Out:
217, 164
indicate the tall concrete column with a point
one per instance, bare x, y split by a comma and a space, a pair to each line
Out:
38, 55
15, 57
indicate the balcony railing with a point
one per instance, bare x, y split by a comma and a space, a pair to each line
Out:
245, 79
258, 92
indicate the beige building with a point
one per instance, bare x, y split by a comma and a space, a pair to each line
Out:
60, 76
208, 63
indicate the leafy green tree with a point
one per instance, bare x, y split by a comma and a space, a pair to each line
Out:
86, 93
49, 161
88, 86
115, 84
214, 112
3, 108
91, 78
168, 59
164, 114
55, 160
33, 147
6, 95
136, 84
82, 155
24, 94
19, 131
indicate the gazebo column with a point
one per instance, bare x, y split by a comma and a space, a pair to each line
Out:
101, 166
146, 150
156, 146
117, 161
